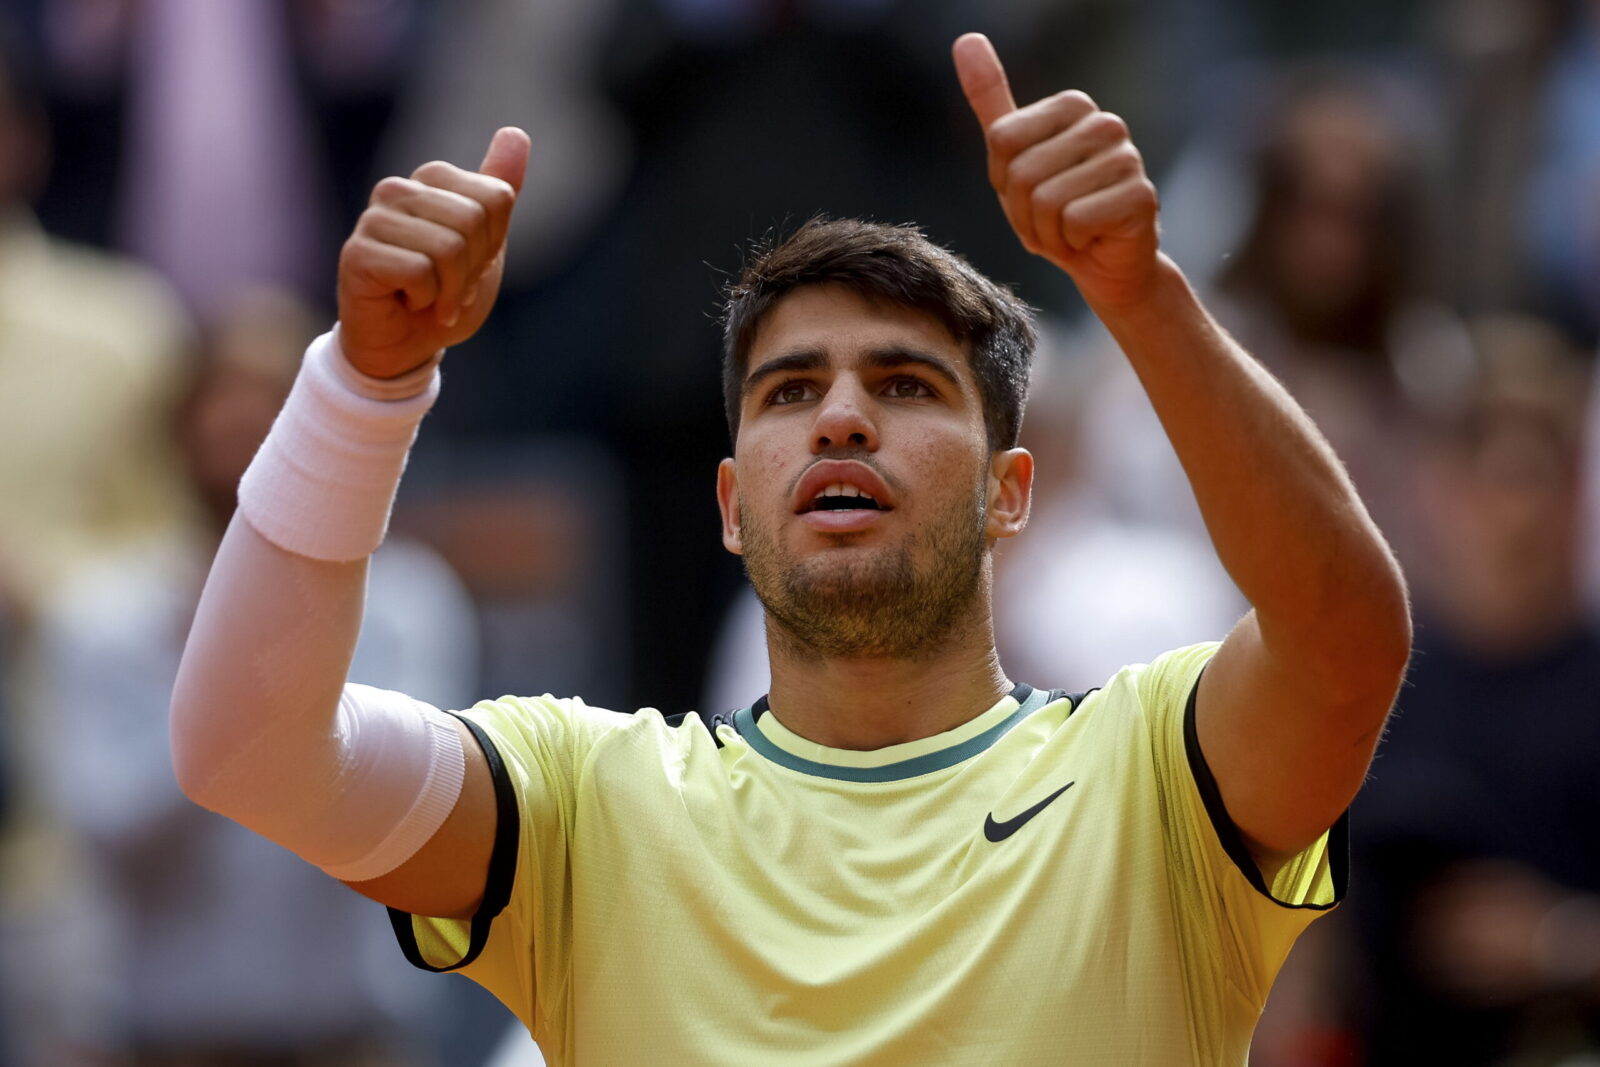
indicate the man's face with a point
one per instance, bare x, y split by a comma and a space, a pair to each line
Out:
862, 492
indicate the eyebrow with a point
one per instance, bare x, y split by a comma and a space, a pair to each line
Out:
810, 359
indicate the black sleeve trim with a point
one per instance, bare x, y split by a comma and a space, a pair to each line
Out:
1233, 841
712, 720
502, 865
1077, 699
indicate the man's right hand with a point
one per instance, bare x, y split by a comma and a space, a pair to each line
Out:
422, 268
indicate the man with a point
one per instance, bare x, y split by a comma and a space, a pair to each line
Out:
898, 855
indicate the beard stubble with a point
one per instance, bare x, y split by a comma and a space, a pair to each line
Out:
875, 604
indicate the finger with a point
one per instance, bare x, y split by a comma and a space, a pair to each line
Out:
1101, 171
1032, 143
445, 249
507, 157
462, 214
1014, 133
496, 195
379, 271
1043, 157
983, 79
1119, 211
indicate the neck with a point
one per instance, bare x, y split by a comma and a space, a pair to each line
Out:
872, 702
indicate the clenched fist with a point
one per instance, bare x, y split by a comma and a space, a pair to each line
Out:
422, 268
1070, 180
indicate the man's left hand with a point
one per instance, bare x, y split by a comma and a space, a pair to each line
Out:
1070, 180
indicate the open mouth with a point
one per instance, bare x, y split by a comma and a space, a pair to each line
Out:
842, 497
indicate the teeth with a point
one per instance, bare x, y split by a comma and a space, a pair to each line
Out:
841, 489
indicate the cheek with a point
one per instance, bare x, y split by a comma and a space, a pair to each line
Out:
949, 474
762, 480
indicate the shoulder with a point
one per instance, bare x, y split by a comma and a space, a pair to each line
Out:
569, 730
1168, 680
1162, 686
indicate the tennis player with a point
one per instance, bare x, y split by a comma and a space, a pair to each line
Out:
899, 855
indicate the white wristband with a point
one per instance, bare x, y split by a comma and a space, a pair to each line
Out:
323, 482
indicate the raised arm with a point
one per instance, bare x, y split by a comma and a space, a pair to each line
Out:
383, 792
1291, 708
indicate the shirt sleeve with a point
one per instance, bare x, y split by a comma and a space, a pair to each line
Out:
1253, 920
518, 945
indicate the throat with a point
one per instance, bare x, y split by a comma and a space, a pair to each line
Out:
867, 704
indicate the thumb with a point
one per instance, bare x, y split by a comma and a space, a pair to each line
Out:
507, 158
983, 79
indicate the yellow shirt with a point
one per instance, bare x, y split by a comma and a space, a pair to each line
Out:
1043, 884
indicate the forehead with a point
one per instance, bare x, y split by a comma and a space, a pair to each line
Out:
842, 323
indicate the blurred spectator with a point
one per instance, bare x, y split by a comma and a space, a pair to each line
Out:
5, 814
1478, 866
199, 943
89, 357
1328, 288
1561, 207
1491, 61
492, 63
171, 114
1153, 587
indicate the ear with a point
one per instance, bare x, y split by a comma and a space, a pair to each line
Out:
1010, 493
728, 502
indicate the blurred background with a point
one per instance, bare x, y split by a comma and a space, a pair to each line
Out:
1394, 203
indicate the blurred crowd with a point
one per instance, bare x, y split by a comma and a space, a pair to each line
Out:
1395, 206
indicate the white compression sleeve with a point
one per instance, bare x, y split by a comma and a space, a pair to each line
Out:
351, 778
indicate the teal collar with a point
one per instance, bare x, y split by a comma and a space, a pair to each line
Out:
1028, 701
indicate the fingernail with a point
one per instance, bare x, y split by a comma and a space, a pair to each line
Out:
451, 319
470, 299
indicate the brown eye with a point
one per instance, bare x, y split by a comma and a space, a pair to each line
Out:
909, 389
791, 393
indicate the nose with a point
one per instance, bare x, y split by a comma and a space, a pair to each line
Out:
844, 419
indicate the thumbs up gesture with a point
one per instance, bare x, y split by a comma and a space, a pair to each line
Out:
1070, 180
422, 268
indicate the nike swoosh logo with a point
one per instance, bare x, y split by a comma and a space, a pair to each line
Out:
999, 831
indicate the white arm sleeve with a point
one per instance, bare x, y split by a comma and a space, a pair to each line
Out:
264, 730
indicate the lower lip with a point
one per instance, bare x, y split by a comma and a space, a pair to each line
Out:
849, 520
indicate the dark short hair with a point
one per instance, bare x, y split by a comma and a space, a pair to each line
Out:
898, 264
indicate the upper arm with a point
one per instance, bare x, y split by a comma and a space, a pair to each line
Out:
1289, 737
446, 876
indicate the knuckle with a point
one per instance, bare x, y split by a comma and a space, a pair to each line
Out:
1112, 123
433, 171
1110, 126
391, 189
475, 213
414, 270
1075, 100
450, 244
1019, 176
1005, 134
497, 196
1126, 161
372, 218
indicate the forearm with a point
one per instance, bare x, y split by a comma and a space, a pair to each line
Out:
1283, 516
263, 728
